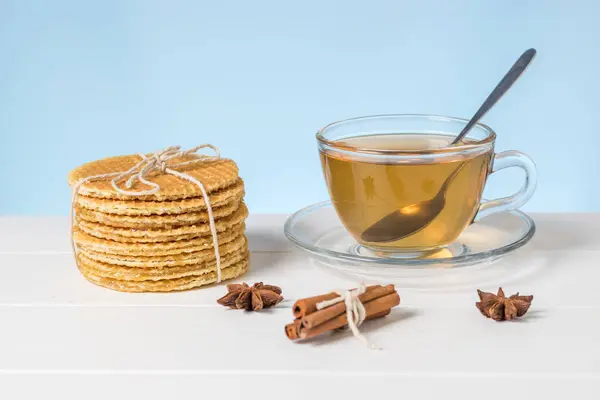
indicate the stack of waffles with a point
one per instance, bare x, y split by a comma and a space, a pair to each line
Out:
162, 241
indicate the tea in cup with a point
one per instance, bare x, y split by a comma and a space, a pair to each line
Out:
398, 186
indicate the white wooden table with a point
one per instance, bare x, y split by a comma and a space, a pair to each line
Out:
62, 337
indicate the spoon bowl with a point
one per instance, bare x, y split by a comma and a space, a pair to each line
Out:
412, 218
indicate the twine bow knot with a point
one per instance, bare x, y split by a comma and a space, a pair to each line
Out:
159, 161
355, 311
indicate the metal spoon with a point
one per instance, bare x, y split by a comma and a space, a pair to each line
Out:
412, 218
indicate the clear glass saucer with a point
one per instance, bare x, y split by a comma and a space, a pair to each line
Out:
317, 229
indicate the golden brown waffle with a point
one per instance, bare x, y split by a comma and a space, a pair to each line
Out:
165, 221
187, 232
214, 174
155, 274
139, 207
204, 256
167, 285
82, 239
125, 239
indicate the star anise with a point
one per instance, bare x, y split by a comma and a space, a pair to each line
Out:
499, 307
251, 298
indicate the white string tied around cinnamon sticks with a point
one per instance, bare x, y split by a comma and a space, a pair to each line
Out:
355, 311
158, 161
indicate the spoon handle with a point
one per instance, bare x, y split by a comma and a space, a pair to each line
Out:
511, 76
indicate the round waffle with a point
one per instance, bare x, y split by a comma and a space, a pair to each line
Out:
155, 274
236, 245
164, 285
155, 249
142, 207
215, 174
165, 221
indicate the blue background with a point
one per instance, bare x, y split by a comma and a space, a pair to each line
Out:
81, 80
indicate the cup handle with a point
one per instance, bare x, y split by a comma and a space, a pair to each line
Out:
506, 159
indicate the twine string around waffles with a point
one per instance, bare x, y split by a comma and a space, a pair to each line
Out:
355, 311
157, 162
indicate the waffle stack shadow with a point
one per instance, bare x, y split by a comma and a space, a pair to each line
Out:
160, 242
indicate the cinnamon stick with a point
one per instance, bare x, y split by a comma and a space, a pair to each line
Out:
308, 306
377, 307
319, 317
378, 315
291, 330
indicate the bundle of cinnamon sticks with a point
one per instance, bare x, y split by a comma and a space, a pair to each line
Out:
377, 300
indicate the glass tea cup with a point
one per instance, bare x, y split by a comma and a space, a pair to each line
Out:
398, 187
